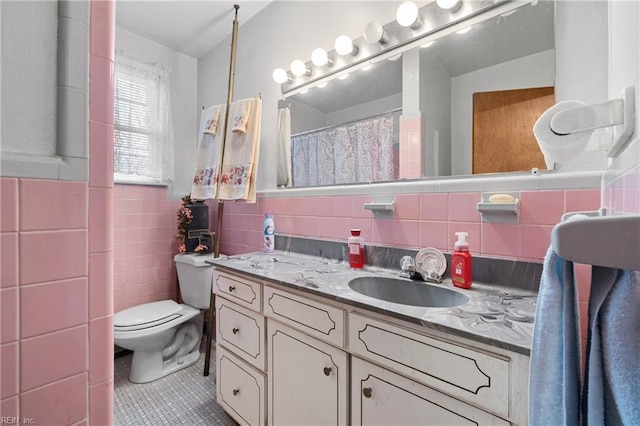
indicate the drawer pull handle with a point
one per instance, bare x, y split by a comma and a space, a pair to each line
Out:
327, 371
366, 392
231, 288
235, 392
235, 330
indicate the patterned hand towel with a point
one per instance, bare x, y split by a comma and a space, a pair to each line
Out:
212, 121
239, 116
612, 374
554, 378
241, 153
208, 155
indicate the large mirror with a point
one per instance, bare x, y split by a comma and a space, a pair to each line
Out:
469, 99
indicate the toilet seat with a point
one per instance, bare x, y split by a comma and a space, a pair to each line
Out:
147, 315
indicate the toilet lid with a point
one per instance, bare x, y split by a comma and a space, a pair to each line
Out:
147, 315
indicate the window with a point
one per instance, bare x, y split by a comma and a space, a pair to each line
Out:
143, 137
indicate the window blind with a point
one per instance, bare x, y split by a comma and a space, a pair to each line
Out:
143, 140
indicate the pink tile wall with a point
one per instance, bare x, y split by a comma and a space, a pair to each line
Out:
56, 342
410, 162
98, 407
421, 220
622, 196
144, 245
43, 293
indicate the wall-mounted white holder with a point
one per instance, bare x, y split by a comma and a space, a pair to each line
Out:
499, 207
617, 112
610, 241
382, 206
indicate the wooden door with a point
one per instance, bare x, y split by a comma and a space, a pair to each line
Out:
308, 379
503, 139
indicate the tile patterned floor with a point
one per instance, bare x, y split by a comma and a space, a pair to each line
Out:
185, 397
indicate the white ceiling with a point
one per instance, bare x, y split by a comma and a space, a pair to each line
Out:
190, 27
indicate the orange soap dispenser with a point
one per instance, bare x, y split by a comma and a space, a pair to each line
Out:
461, 262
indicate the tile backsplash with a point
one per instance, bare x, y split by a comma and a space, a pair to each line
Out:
420, 220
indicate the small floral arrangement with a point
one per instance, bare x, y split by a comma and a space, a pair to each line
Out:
184, 218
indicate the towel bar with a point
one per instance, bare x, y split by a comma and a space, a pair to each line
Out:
612, 241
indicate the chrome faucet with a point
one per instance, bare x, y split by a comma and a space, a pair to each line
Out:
410, 270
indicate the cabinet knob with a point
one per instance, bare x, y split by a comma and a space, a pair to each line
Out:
366, 392
327, 371
235, 330
231, 288
235, 392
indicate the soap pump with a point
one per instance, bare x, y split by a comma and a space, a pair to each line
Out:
461, 262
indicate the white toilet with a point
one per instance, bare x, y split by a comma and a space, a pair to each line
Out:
165, 336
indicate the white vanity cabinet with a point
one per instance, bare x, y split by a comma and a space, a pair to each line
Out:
296, 359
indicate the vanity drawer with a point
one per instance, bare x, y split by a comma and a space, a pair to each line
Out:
474, 376
240, 390
241, 331
314, 318
239, 290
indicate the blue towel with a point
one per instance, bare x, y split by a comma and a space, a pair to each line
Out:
554, 377
612, 374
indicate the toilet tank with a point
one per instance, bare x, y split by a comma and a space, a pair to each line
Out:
194, 276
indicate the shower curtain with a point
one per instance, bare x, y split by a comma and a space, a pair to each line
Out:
358, 152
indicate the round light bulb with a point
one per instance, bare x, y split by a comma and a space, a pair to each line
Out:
452, 5
298, 68
280, 76
319, 57
344, 45
407, 14
374, 33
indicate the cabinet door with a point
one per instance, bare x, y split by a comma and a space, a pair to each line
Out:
380, 397
307, 379
240, 390
474, 376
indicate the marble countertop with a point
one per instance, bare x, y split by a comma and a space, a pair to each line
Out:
498, 316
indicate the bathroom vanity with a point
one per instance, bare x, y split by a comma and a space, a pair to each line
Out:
296, 345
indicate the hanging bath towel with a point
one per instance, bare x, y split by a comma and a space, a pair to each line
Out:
240, 163
210, 136
612, 374
554, 377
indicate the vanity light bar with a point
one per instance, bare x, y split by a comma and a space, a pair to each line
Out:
430, 19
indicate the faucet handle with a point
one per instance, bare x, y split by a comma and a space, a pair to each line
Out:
408, 265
